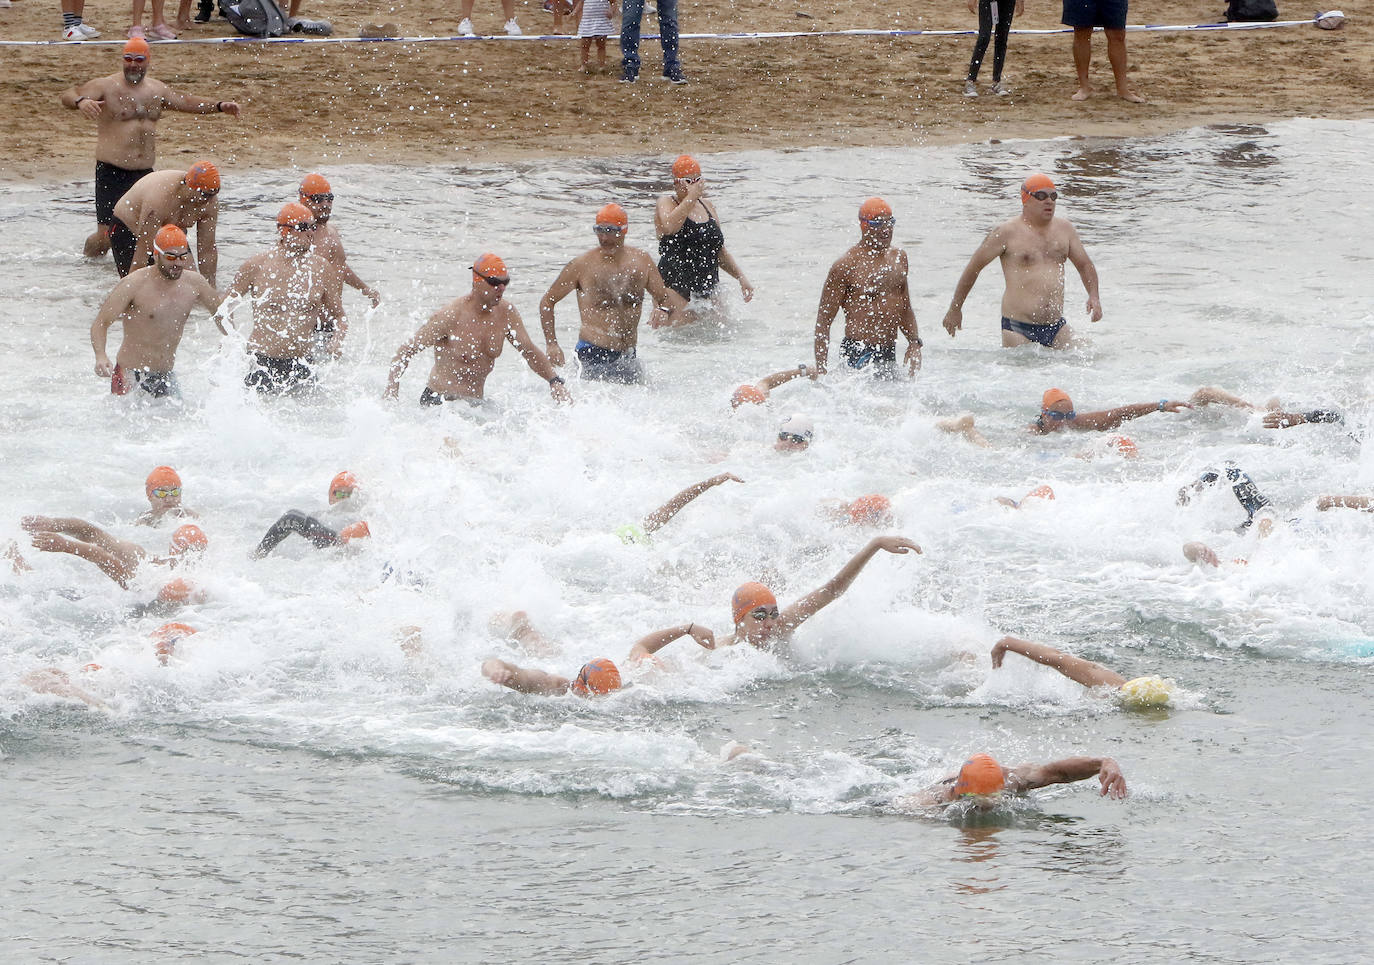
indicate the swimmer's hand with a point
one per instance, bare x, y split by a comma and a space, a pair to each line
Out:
723, 477
373, 295
1283, 420
703, 636
335, 346
103, 366
894, 544
1094, 309
1112, 780
555, 353
1175, 406
229, 107
91, 107
912, 359
999, 650
560, 393
1200, 553
746, 289
498, 672
36, 524
954, 320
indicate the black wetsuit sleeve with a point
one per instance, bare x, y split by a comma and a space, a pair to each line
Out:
295, 521
1323, 415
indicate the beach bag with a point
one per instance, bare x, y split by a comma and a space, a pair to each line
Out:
256, 18
1251, 11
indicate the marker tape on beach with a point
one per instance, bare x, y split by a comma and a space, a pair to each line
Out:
776, 35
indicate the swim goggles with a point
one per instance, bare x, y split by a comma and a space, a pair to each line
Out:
174, 256
342, 493
884, 221
764, 612
164, 492
1045, 195
608, 229
1054, 416
793, 437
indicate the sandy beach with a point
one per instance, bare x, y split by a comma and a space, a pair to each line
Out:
310, 105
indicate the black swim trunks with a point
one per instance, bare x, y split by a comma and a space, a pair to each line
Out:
157, 384
1040, 334
430, 397
860, 355
124, 243
112, 182
269, 375
607, 365
1110, 14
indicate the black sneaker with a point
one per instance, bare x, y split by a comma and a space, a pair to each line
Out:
205, 11
628, 76
675, 75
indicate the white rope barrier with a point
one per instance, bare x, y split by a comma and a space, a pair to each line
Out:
1334, 15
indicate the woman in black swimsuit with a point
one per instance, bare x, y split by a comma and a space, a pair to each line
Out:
691, 246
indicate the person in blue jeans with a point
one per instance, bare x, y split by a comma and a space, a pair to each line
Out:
632, 14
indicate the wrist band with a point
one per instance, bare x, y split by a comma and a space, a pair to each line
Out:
557, 380
1162, 404
219, 107
689, 628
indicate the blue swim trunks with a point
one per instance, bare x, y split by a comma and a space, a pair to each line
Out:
1042, 334
1095, 13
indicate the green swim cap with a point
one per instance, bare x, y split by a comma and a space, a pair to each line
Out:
1146, 693
630, 534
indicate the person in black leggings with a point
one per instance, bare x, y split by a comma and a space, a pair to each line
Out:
991, 14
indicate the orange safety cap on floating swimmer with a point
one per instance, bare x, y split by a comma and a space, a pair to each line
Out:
1052, 396
342, 486
176, 591
189, 537
613, 214
981, 774
314, 184
1124, 445
1036, 182
750, 596
137, 45
599, 676
172, 631
163, 477
874, 208
203, 176
293, 213
870, 510
170, 236
748, 394
1040, 492
356, 530
686, 166
490, 266
91, 668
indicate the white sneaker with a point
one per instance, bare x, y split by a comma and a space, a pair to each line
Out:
513, 28
73, 33
87, 30
970, 89
1001, 89
465, 28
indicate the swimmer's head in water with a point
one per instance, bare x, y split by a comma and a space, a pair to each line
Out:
748, 395
136, 56
163, 483
295, 225
316, 195
599, 676
179, 591
1039, 492
1147, 693
352, 531
981, 774
686, 168
1056, 405
189, 538
203, 178
166, 637
1038, 188
342, 486
489, 275
753, 601
872, 510
1124, 445
795, 433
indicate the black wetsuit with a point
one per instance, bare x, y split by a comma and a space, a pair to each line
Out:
295, 521
1242, 486
689, 258
992, 14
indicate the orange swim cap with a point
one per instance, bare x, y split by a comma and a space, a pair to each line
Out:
613, 214
750, 394
356, 530
314, 184
203, 176
179, 591
136, 46
91, 668
1124, 445
189, 537
342, 486
981, 774
686, 166
1052, 396
291, 214
163, 477
172, 631
599, 676
170, 236
490, 266
874, 510
1039, 492
874, 208
1036, 182
750, 596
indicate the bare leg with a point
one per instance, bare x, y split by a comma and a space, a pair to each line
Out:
98, 242
50, 680
1345, 502
524, 680
509, 7
963, 426
184, 14
586, 46
1210, 395
1116, 54
1200, 553
1077, 669
601, 52
1082, 59
465, 9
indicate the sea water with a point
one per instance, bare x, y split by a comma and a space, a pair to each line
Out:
293, 787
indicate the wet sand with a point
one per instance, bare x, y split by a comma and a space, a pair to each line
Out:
476, 101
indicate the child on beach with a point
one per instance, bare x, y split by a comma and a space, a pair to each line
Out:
596, 22
559, 9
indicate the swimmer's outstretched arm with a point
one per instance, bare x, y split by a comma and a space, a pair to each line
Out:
113, 566
525, 680
1345, 502
1085, 672
651, 644
1027, 777
811, 604
770, 382
50, 680
1111, 418
1286, 420
668, 510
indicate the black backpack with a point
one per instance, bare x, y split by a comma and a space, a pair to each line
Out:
258, 18
1251, 11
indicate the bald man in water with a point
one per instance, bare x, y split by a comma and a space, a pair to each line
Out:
1032, 248
869, 282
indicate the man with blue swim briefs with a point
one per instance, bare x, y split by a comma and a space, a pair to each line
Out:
611, 281
869, 281
1032, 248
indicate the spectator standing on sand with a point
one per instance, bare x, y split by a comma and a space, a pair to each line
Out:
465, 9
595, 21
1110, 15
993, 16
667, 36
